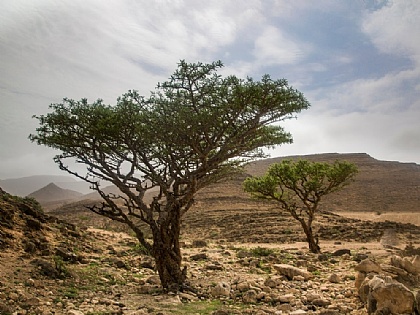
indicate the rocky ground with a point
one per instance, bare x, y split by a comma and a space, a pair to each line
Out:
49, 266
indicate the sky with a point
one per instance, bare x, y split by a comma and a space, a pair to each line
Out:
357, 62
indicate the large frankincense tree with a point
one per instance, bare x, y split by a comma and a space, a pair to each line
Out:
193, 130
298, 187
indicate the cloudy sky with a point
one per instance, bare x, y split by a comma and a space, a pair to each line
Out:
357, 62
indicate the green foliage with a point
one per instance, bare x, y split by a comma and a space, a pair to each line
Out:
70, 292
299, 186
298, 183
261, 251
61, 267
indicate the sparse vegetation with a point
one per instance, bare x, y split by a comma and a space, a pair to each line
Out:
262, 251
61, 267
199, 307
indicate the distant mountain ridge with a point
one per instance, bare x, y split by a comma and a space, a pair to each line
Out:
379, 185
24, 186
52, 192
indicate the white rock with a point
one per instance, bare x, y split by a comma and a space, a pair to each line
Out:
291, 271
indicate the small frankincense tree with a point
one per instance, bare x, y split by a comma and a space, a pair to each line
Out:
159, 151
299, 186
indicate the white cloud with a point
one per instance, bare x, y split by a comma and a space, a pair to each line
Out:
394, 28
273, 47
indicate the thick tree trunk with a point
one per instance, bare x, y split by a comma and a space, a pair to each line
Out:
310, 237
168, 258
166, 249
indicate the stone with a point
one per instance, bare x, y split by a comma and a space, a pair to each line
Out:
33, 224
14, 296
341, 252
411, 265
302, 263
395, 297
261, 295
34, 301
199, 243
321, 302
153, 280
323, 257
214, 266
75, 312
366, 286
243, 254
65, 254
311, 296
30, 282
147, 263
367, 266
298, 312
187, 296
386, 296
200, 256
243, 286
291, 271
360, 277
120, 264
334, 278
221, 289
287, 298
271, 282
30, 247
360, 256
250, 297
46, 267
416, 263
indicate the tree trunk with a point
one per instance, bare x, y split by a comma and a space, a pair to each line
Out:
168, 263
166, 249
310, 237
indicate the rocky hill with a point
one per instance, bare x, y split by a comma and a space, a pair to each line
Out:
53, 267
379, 186
53, 193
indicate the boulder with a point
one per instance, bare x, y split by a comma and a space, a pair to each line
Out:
411, 265
395, 297
291, 271
360, 277
368, 266
386, 296
416, 263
